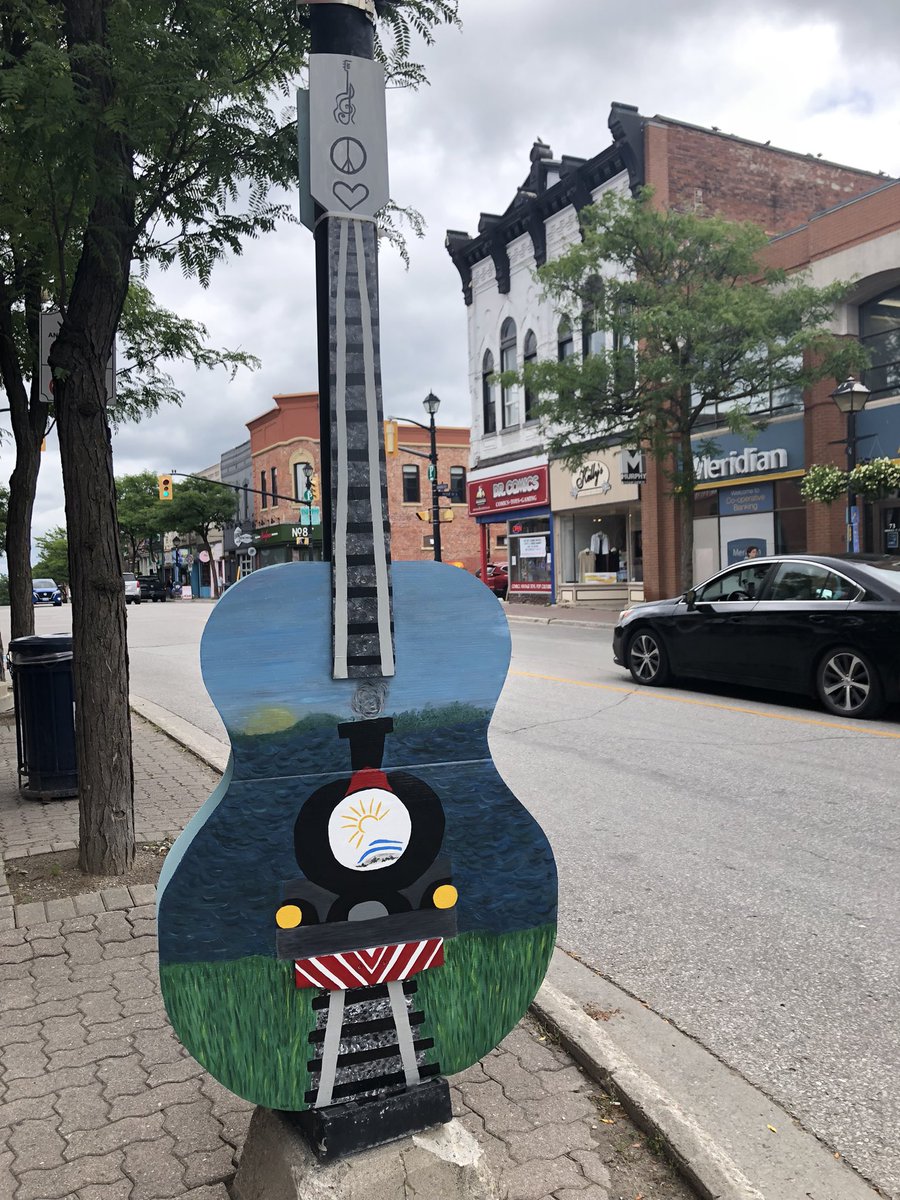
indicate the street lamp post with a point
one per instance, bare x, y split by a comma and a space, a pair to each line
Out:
851, 397
432, 404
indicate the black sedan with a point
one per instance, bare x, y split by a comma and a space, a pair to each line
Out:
821, 626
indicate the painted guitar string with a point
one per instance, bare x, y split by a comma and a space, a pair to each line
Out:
379, 550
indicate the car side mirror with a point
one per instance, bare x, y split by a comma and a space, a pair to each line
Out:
690, 598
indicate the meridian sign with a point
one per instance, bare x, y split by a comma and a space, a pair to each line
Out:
348, 167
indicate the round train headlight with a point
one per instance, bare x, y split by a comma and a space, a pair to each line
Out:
289, 916
445, 896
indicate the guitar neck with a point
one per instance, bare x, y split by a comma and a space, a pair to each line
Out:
361, 562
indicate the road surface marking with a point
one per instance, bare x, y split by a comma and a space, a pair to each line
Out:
648, 694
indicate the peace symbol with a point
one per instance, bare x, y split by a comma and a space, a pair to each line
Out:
348, 155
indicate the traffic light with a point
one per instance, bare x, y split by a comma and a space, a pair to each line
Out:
424, 515
165, 486
390, 437
314, 488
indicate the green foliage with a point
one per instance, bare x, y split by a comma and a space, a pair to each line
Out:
711, 322
148, 337
53, 556
141, 513
199, 505
4, 589
824, 483
875, 479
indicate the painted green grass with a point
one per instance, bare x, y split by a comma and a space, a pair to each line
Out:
245, 1022
482, 991
248, 1024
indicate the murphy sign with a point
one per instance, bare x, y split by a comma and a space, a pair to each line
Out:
745, 462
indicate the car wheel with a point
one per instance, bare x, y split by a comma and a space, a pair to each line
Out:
647, 659
848, 685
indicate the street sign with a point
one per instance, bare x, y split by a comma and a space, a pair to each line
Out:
348, 170
432, 472
49, 325
251, 553
307, 204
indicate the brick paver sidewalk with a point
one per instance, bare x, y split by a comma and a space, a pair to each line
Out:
98, 1101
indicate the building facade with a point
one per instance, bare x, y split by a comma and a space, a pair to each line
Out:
285, 451
611, 529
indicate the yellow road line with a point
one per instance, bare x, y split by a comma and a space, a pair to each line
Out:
651, 694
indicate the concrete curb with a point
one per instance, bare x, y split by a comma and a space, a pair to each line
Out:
706, 1167
560, 621
208, 749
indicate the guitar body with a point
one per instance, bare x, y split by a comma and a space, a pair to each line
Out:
237, 998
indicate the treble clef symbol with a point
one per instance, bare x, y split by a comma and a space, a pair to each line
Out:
345, 109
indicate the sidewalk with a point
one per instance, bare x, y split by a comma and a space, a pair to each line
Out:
98, 1101
584, 616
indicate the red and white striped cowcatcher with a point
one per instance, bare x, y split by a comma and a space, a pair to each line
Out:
368, 968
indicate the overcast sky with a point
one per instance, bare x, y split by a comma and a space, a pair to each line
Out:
815, 76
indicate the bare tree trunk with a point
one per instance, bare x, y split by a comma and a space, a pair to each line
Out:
29, 424
102, 722
78, 359
22, 488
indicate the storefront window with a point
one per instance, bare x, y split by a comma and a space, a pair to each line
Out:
879, 332
596, 549
530, 560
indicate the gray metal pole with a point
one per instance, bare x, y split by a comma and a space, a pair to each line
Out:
435, 511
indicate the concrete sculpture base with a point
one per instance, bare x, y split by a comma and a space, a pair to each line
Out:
446, 1163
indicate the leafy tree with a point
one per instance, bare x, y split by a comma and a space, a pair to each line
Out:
679, 315
142, 515
53, 552
199, 506
144, 132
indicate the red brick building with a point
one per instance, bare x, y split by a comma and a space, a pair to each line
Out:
286, 439
610, 531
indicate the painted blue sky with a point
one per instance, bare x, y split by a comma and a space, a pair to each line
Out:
268, 643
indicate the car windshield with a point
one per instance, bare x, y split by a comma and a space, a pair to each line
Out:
128, 577
43, 583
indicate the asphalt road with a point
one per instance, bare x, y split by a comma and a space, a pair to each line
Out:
729, 859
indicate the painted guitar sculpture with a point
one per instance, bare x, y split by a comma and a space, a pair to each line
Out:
362, 903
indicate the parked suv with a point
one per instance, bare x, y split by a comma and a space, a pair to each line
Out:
45, 591
151, 588
132, 588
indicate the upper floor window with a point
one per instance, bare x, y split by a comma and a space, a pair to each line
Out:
488, 405
879, 332
565, 341
593, 339
274, 475
411, 492
457, 485
508, 398
300, 479
264, 502
529, 355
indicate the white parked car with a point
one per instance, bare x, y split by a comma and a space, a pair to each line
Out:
132, 588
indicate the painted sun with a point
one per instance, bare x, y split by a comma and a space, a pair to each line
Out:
355, 818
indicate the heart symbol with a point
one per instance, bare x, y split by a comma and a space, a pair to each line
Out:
351, 196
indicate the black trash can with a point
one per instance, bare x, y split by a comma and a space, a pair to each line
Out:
45, 716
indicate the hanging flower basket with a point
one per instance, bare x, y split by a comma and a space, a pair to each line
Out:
824, 483
875, 479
